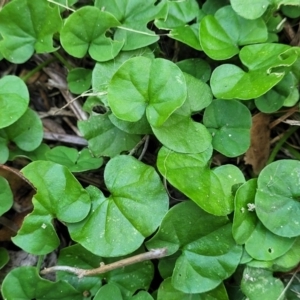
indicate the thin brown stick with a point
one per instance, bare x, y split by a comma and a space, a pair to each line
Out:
152, 254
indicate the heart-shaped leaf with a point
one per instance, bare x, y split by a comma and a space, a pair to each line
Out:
54, 183
85, 31
134, 19
188, 228
159, 91
277, 197
27, 26
231, 134
190, 174
180, 133
75, 161
14, 99
177, 14
222, 34
118, 225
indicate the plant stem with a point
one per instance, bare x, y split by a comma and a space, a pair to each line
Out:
63, 61
38, 68
152, 254
40, 261
277, 147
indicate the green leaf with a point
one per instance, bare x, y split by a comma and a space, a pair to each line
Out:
289, 260
129, 279
37, 154
179, 13
221, 34
134, 19
229, 122
277, 197
190, 174
75, 161
260, 284
140, 127
211, 6
167, 291
180, 133
245, 219
155, 86
27, 26
14, 99
85, 31
59, 195
79, 80
79, 257
196, 67
229, 176
188, 228
271, 246
25, 283
267, 64
109, 291
187, 34
104, 71
286, 91
253, 10
26, 132
118, 225
6, 196
4, 257
104, 138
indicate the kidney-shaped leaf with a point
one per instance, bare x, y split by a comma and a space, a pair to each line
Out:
267, 64
27, 25
14, 99
206, 244
59, 195
229, 123
119, 224
142, 84
85, 31
277, 197
221, 34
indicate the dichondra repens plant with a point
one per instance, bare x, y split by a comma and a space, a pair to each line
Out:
154, 123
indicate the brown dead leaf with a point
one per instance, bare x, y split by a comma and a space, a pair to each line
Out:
21, 188
23, 192
258, 153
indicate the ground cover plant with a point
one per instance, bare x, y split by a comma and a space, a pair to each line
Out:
149, 149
